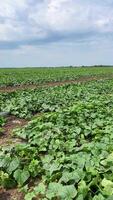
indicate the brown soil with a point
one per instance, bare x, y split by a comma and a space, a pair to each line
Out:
11, 123
12, 194
52, 84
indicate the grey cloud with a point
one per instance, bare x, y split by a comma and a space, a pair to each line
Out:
45, 21
53, 37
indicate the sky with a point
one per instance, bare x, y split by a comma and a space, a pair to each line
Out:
56, 32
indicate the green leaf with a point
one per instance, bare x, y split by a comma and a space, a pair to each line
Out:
58, 190
98, 197
53, 190
108, 187
106, 183
40, 189
67, 192
29, 196
110, 198
83, 188
80, 197
21, 176
66, 177
13, 165
54, 167
4, 162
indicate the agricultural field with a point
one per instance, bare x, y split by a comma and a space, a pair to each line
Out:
56, 140
26, 76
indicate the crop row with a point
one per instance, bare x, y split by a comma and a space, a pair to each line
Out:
14, 77
26, 103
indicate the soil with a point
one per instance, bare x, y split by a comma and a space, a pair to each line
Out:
12, 122
12, 194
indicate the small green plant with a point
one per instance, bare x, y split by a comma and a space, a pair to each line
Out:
2, 122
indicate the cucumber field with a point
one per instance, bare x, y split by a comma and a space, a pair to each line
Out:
56, 133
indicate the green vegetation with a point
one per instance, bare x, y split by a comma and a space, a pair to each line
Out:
66, 151
2, 122
26, 103
14, 77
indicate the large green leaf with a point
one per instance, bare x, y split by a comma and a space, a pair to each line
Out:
108, 187
64, 192
21, 176
13, 165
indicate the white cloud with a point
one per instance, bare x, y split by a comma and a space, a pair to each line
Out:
30, 20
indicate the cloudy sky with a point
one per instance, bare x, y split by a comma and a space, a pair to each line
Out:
56, 32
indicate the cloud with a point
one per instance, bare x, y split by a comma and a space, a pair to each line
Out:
32, 22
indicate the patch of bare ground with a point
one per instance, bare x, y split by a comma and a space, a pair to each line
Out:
12, 194
9, 89
12, 122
